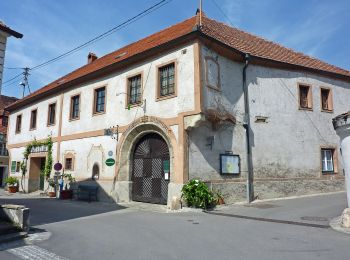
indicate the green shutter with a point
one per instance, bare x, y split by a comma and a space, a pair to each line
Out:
13, 166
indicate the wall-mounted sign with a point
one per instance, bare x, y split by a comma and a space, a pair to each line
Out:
110, 162
229, 164
110, 153
166, 166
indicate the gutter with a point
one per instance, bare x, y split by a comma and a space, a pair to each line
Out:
246, 125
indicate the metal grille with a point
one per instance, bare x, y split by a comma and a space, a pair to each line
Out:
149, 184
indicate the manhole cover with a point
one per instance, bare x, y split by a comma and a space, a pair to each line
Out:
262, 206
314, 218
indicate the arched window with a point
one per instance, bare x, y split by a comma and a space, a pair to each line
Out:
95, 172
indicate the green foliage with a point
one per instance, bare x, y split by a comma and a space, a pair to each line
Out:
11, 181
49, 159
69, 178
51, 182
197, 194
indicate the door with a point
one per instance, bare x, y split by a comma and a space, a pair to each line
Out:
150, 162
42, 173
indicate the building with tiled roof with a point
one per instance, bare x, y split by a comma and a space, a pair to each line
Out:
199, 99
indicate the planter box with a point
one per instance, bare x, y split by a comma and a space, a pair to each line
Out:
52, 194
66, 194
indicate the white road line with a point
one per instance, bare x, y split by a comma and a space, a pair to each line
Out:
34, 253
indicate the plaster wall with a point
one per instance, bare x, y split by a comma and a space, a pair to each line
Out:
116, 108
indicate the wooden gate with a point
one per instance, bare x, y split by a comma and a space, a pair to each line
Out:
150, 161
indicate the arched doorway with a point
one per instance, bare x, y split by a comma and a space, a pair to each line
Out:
150, 163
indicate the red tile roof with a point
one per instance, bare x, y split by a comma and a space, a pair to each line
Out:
232, 37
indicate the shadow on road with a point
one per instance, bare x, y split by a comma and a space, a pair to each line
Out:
50, 210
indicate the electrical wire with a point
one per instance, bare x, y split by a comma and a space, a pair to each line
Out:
105, 34
223, 13
15, 77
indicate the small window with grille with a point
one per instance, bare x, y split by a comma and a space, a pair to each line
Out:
68, 165
305, 97
134, 89
167, 80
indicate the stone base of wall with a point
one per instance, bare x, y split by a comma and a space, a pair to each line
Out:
269, 189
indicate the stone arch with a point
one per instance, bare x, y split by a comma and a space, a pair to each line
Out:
132, 135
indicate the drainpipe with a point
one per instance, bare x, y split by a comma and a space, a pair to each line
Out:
246, 125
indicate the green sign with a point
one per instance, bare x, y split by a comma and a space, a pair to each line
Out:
110, 162
166, 166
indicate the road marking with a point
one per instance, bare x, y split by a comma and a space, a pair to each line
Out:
34, 253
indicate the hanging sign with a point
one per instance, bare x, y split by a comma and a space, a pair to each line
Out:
166, 169
110, 162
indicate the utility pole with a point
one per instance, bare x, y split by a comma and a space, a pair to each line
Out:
25, 82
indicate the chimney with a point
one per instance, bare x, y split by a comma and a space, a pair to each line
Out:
91, 57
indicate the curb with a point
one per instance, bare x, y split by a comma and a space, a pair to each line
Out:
335, 223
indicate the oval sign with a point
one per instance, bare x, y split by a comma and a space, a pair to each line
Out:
110, 162
57, 166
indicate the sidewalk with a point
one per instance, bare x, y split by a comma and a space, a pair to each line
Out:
316, 211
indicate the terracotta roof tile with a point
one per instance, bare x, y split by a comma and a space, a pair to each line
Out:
5, 101
232, 37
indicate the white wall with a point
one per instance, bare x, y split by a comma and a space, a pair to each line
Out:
3, 40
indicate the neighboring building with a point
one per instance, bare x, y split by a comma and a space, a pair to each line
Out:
5, 32
4, 159
4, 101
175, 103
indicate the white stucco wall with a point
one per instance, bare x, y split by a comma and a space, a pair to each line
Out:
116, 111
289, 143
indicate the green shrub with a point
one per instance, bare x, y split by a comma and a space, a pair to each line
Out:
197, 194
11, 181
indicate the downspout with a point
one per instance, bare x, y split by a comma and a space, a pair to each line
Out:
246, 125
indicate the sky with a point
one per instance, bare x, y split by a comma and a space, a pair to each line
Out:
319, 28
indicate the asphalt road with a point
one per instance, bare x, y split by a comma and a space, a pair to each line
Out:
268, 230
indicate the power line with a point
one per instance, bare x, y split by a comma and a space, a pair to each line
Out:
105, 34
15, 77
222, 12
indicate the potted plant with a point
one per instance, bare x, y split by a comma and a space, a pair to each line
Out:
12, 184
197, 194
52, 184
67, 193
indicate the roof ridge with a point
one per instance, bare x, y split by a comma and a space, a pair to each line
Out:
277, 44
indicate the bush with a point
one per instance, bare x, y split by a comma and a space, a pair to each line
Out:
197, 194
11, 181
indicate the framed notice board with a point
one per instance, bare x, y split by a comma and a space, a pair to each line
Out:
230, 164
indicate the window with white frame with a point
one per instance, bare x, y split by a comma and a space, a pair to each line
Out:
327, 160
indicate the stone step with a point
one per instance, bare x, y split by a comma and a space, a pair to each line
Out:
12, 236
7, 228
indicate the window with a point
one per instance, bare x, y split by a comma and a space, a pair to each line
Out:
134, 90
305, 97
74, 107
68, 165
167, 80
327, 160
212, 70
326, 100
33, 116
3, 150
5, 121
51, 114
18, 124
18, 166
99, 100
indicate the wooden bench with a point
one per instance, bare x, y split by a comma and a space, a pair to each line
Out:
87, 192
